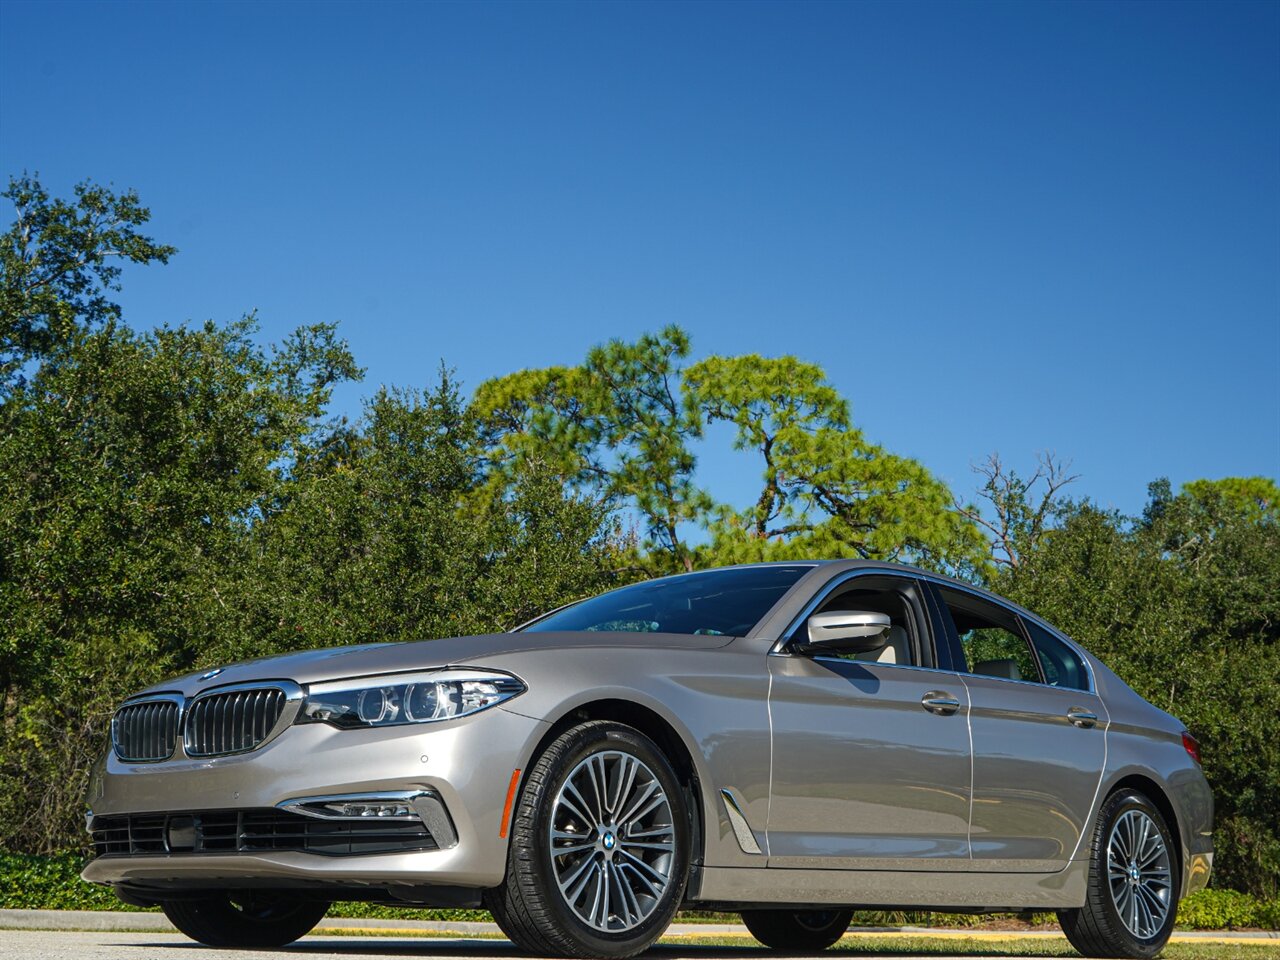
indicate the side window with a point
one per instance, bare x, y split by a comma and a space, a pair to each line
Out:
879, 595
991, 638
1062, 666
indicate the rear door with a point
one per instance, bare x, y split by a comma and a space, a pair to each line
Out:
1039, 742
870, 753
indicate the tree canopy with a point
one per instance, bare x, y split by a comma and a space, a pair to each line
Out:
185, 496
59, 260
1184, 604
621, 425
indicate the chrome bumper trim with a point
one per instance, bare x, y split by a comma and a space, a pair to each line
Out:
427, 806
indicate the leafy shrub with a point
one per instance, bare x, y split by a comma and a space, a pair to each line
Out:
1227, 910
51, 883
374, 911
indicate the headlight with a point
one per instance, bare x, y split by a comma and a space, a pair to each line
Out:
406, 697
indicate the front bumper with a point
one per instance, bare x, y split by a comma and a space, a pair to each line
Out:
467, 764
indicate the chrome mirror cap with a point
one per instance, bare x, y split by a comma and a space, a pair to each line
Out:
852, 630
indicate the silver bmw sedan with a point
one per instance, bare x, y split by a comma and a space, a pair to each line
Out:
788, 741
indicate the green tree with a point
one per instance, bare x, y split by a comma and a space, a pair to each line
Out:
1250, 498
181, 497
618, 426
1184, 604
777, 405
385, 536
59, 260
622, 425
827, 491
134, 466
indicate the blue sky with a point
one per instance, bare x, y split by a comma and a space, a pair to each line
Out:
999, 227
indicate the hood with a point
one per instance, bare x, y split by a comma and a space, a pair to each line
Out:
335, 663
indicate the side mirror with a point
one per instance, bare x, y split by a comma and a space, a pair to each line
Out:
850, 631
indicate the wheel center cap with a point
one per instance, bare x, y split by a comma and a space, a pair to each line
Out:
1134, 873
608, 840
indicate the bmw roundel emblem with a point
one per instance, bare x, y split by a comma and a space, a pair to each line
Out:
211, 674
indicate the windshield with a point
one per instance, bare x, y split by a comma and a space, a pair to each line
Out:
718, 602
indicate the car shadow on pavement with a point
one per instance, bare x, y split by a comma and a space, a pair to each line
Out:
462, 949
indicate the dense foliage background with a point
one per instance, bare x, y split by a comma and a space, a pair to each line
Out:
183, 496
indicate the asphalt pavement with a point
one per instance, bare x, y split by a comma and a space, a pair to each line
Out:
89, 935
103, 945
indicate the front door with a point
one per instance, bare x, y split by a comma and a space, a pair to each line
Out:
870, 753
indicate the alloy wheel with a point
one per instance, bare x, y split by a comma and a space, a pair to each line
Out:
612, 841
1139, 874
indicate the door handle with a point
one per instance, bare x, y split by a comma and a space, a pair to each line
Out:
1081, 717
940, 702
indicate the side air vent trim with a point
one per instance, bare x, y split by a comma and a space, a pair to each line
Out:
741, 830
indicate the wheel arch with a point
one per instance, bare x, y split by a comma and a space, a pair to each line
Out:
660, 730
1152, 790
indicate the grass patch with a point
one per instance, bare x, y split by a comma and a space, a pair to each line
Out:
1037, 947
897, 945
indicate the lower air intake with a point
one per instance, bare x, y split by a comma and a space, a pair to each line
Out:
254, 831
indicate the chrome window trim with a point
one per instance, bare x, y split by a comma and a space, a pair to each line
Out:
175, 698
872, 663
1021, 614
778, 648
293, 696
1030, 683
1070, 644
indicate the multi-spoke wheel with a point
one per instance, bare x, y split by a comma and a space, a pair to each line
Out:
599, 847
612, 841
1133, 892
798, 930
245, 918
1139, 873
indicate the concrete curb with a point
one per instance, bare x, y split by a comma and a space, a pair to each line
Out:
119, 921
112, 920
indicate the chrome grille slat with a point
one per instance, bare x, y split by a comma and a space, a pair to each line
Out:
238, 739
151, 730
147, 731
218, 706
234, 721
258, 719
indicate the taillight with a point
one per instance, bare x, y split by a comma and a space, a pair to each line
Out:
1192, 746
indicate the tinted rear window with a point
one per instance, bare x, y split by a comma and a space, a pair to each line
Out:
717, 602
1062, 665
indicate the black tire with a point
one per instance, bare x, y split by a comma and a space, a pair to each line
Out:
801, 931
1097, 929
529, 906
249, 918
